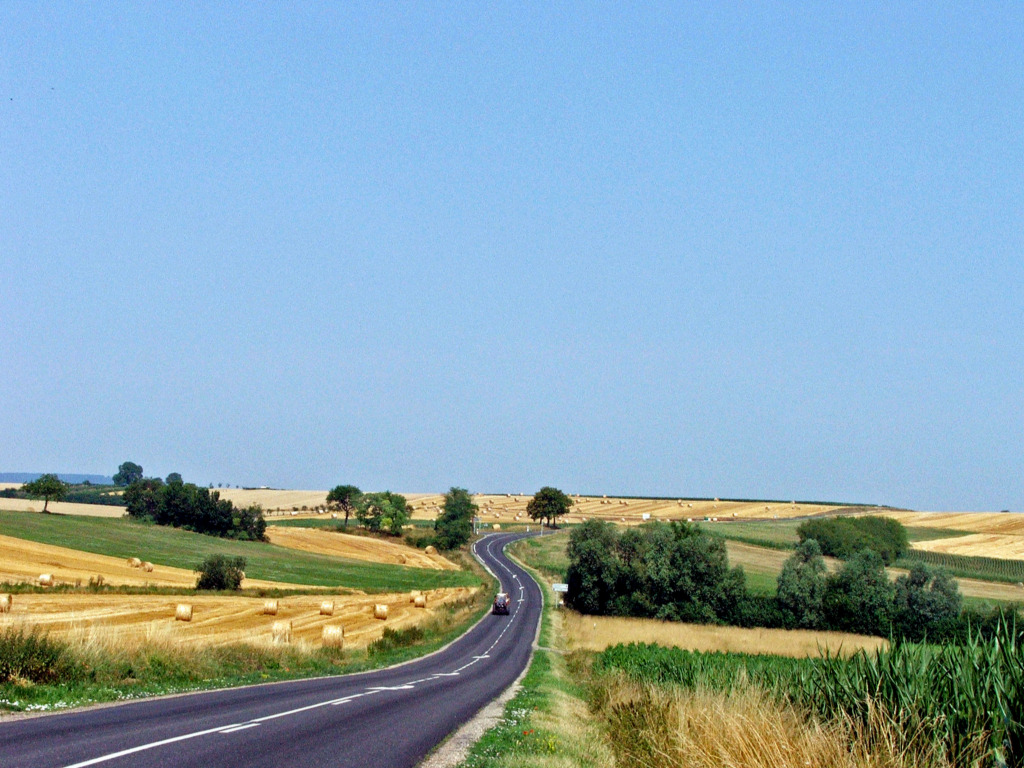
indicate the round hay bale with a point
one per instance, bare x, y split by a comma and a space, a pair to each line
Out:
380, 611
46, 580
327, 608
147, 567
1020, 585
183, 612
496, 526
134, 562
5, 603
270, 607
421, 601
431, 549
413, 595
403, 559
281, 631
332, 637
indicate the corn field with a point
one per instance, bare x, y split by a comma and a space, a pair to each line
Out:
970, 567
967, 700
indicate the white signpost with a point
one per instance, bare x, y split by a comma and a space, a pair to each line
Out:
559, 587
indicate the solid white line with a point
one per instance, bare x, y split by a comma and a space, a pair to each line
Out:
141, 748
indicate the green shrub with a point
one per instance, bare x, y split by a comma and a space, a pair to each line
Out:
33, 656
843, 537
220, 572
396, 638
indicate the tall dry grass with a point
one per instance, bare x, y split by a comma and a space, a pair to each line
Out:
654, 727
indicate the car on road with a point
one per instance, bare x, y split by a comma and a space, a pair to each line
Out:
501, 602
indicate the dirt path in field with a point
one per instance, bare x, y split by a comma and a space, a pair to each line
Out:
355, 547
24, 561
217, 620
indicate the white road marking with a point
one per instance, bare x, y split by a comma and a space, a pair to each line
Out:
239, 728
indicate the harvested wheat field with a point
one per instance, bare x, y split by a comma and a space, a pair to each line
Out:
24, 561
273, 499
61, 508
978, 545
217, 620
629, 511
355, 547
596, 633
1007, 523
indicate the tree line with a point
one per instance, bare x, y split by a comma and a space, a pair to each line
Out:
186, 505
678, 572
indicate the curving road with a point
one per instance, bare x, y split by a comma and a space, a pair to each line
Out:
390, 717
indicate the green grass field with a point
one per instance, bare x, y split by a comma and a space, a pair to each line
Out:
123, 538
776, 534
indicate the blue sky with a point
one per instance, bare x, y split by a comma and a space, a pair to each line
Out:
765, 251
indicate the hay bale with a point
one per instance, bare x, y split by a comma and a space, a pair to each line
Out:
147, 567
421, 601
270, 607
134, 562
281, 631
496, 526
431, 549
183, 612
380, 611
1020, 585
413, 595
46, 580
332, 637
327, 608
5, 603
403, 559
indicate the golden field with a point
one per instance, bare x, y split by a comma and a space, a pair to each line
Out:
595, 633
355, 547
504, 508
217, 619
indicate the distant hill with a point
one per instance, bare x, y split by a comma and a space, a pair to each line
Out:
67, 477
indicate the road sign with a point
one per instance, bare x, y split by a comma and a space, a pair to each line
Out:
560, 587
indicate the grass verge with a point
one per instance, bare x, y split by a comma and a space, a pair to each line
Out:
546, 723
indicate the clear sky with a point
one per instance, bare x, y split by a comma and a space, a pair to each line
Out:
772, 250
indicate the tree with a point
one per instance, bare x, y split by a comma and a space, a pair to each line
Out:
860, 597
926, 604
593, 572
142, 498
220, 572
344, 498
548, 504
174, 477
801, 586
383, 512
454, 525
46, 487
128, 473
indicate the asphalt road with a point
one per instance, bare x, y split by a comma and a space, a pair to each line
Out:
391, 717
